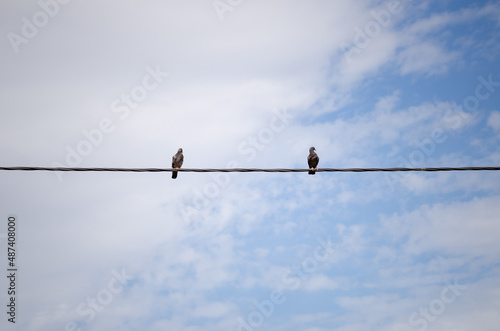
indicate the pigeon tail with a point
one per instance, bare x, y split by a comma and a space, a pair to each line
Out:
174, 174
312, 172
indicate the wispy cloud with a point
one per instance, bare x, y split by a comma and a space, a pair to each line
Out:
415, 84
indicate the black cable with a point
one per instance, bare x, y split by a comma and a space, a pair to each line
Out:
250, 169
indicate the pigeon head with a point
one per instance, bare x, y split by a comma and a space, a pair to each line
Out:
311, 149
179, 150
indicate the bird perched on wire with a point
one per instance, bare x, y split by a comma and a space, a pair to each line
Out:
312, 161
177, 161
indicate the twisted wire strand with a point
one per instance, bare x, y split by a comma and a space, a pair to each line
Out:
428, 169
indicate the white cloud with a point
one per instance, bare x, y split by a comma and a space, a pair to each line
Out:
450, 228
428, 58
213, 310
494, 120
439, 21
418, 47
320, 282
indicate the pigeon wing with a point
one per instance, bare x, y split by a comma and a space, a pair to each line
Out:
177, 161
312, 161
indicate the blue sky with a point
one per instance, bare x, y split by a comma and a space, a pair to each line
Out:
252, 84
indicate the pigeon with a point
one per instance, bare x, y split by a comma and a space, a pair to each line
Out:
177, 161
312, 161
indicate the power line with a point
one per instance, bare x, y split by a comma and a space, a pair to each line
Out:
431, 169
